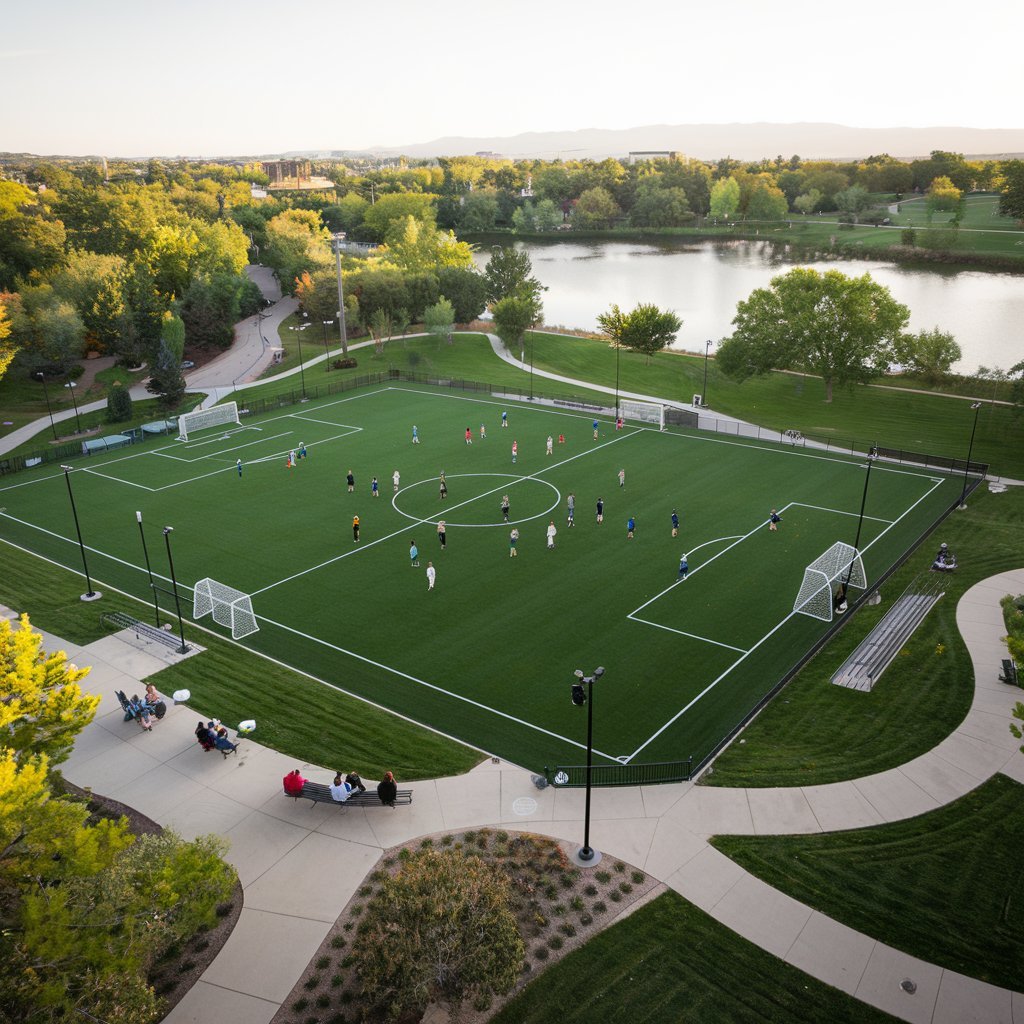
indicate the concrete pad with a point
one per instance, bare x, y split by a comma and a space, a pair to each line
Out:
204, 1003
353, 824
1017, 1000
964, 1000
659, 800
616, 802
109, 678
841, 806
53, 644
978, 759
628, 841
996, 701
266, 954
303, 813
895, 796
763, 915
313, 880
711, 810
1014, 768
938, 778
118, 767
93, 741
781, 812
831, 952
209, 766
470, 800
204, 813
705, 878
259, 775
423, 817
157, 793
880, 985
522, 803
672, 846
129, 659
991, 729
258, 842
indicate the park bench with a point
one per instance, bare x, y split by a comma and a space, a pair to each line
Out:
1009, 673
321, 794
142, 630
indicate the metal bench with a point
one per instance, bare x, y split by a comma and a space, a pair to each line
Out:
1009, 673
321, 794
142, 630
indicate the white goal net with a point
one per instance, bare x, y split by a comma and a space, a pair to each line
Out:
645, 412
840, 564
230, 607
203, 419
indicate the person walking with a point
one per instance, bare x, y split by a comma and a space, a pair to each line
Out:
504, 418
414, 555
415, 435
630, 527
773, 521
515, 451
595, 430
302, 449
483, 432
350, 481
469, 436
622, 478
571, 509
239, 465
355, 529
396, 480
513, 540
442, 535
550, 445
431, 575
504, 507
552, 532
675, 523
374, 488
684, 566
443, 488
291, 459
600, 510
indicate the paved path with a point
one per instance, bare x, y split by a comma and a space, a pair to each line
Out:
287, 853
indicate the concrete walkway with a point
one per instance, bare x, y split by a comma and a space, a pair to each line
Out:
287, 853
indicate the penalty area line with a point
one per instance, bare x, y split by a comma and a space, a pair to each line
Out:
682, 632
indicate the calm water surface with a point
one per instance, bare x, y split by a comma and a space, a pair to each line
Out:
703, 282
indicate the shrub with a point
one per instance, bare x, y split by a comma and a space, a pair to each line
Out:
556, 942
604, 877
337, 980
586, 919
323, 1001
577, 903
338, 941
615, 896
638, 877
322, 963
348, 363
364, 891
312, 982
558, 910
619, 867
541, 953
300, 1004
600, 907
447, 840
625, 888
590, 889
119, 405
427, 843
567, 929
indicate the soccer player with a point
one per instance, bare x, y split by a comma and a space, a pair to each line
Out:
595, 430
302, 449
504, 418
355, 529
291, 459
374, 488
469, 436
622, 478
551, 534
239, 465
513, 539
515, 451
443, 489
550, 444
675, 523
414, 554
350, 481
773, 521
396, 479
504, 507
415, 435
684, 566
561, 438
442, 535
630, 527
600, 510
431, 575
571, 509
483, 432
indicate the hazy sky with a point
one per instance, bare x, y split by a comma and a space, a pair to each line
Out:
223, 77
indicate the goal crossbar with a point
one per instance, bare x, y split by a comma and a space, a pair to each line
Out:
203, 419
229, 607
645, 412
841, 563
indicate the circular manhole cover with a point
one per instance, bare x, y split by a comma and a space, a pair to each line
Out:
524, 805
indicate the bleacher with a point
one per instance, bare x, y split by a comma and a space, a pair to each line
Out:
876, 651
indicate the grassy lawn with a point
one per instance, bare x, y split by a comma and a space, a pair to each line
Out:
315, 724
814, 732
941, 886
670, 961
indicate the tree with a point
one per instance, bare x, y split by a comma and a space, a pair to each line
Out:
766, 202
166, 381
439, 319
119, 404
442, 928
853, 200
943, 194
645, 329
540, 217
512, 317
466, 290
725, 197
296, 242
7, 348
46, 328
807, 202
595, 210
843, 329
927, 353
381, 328
210, 309
1018, 732
657, 206
1011, 195
479, 212
508, 272
390, 209
417, 246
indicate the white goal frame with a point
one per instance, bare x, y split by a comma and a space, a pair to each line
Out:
645, 412
230, 607
202, 419
841, 563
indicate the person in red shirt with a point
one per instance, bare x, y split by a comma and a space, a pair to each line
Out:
293, 783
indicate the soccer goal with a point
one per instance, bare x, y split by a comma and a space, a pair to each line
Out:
202, 419
645, 412
230, 607
840, 564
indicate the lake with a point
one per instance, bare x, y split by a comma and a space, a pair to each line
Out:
703, 281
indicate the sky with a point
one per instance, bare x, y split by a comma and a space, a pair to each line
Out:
222, 77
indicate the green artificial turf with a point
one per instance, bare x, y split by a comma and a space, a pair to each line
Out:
815, 733
670, 962
488, 656
943, 886
316, 725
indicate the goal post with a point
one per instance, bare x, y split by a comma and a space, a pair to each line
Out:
645, 412
229, 607
841, 563
203, 419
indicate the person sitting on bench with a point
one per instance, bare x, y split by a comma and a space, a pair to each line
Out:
388, 790
293, 783
355, 782
340, 789
205, 736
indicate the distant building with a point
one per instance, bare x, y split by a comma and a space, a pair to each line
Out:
643, 156
488, 155
286, 172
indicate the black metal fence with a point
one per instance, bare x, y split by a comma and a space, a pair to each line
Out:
575, 776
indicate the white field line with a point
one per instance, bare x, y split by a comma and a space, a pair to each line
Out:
707, 689
225, 451
837, 511
682, 632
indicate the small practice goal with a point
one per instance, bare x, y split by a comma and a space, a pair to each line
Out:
840, 564
645, 412
230, 607
203, 419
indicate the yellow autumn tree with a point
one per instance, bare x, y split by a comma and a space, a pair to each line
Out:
7, 348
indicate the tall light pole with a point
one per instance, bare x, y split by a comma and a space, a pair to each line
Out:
704, 388
39, 375
336, 241
970, 448
618, 346
70, 385
327, 351
587, 853
90, 594
149, 570
302, 373
168, 530
872, 455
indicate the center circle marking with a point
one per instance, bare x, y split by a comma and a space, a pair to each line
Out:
513, 480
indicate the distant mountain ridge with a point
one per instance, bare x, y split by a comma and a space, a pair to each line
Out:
742, 141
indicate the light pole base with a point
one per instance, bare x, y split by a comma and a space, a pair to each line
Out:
962, 507
93, 595
586, 862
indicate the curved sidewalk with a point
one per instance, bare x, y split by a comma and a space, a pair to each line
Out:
287, 853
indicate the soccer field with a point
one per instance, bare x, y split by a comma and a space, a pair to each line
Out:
488, 655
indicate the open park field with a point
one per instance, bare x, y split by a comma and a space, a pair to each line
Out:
488, 655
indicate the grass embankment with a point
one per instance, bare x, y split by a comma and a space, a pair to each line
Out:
922, 423
940, 886
814, 732
670, 961
311, 722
